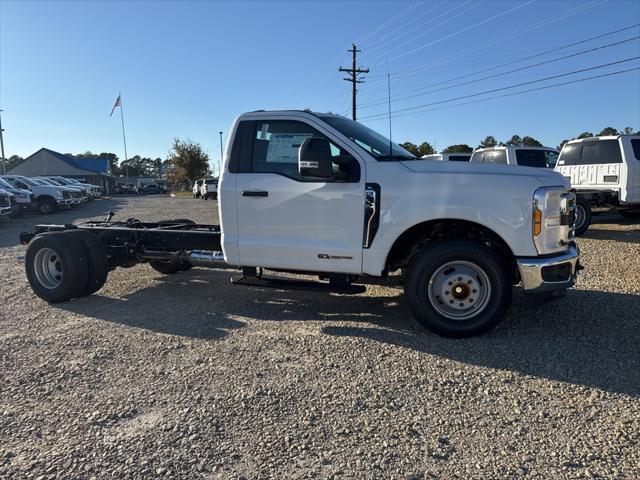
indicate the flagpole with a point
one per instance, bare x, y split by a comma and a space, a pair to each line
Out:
124, 140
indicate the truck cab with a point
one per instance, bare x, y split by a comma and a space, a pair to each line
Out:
539, 157
448, 157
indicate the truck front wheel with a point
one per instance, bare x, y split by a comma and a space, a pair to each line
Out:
458, 288
583, 216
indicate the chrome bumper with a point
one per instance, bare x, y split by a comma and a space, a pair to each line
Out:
540, 275
5, 211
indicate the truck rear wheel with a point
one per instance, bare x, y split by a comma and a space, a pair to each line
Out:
458, 288
583, 216
97, 260
56, 266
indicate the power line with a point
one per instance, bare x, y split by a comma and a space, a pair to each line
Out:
496, 75
321, 73
608, 74
458, 32
512, 62
353, 72
424, 32
508, 87
501, 38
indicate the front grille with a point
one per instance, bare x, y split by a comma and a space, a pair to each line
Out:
66, 194
4, 201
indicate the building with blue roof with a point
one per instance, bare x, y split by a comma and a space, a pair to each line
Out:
47, 162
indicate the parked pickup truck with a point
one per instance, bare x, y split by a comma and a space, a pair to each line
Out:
323, 195
605, 175
539, 157
25, 200
5, 204
448, 157
48, 197
209, 188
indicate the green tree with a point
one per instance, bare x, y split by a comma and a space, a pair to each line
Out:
514, 140
458, 148
12, 161
489, 141
585, 135
608, 131
189, 159
562, 143
530, 142
426, 148
627, 131
411, 147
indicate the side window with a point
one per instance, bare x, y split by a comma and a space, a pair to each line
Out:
276, 144
570, 154
495, 156
551, 158
635, 144
601, 151
531, 158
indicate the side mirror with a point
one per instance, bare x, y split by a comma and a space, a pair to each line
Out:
314, 158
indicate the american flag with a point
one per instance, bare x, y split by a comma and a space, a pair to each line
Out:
117, 104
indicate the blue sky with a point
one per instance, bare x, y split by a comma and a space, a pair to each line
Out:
186, 69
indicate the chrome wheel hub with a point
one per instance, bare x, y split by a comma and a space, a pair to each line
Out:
48, 268
459, 290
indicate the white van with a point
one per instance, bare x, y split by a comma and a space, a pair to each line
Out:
448, 157
541, 157
604, 173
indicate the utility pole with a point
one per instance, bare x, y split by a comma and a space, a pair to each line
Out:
4, 168
353, 72
221, 156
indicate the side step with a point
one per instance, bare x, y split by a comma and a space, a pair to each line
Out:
301, 285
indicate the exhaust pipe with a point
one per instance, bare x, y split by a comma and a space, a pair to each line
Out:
197, 258
207, 258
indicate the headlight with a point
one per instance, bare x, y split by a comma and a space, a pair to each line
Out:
553, 219
22, 195
59, 195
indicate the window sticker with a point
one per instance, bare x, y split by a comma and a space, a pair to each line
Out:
283, 147
264, 132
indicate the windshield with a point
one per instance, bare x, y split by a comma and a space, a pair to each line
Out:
28, 181
5, 184
62, 181
44, 181
370, 140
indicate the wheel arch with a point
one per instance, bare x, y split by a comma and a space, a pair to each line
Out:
412, 239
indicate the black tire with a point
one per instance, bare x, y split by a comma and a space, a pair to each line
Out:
47, 205
583, 216
66, 256
97, 260
426, 271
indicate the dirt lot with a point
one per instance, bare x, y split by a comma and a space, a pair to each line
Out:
187, 376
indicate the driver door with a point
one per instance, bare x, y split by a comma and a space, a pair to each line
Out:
291, 222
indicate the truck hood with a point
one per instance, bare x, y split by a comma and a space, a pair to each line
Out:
546, 177
45, 188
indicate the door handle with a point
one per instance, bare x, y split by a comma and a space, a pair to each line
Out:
255, 193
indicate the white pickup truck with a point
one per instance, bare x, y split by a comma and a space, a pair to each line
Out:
524, 156
323, 195
48, 197
605, 175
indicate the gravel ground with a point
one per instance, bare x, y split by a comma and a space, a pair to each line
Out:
187, 376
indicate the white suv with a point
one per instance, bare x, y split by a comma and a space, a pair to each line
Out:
209, 188
604, 173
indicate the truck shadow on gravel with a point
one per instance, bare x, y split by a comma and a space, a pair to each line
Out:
587, 338
624, 236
